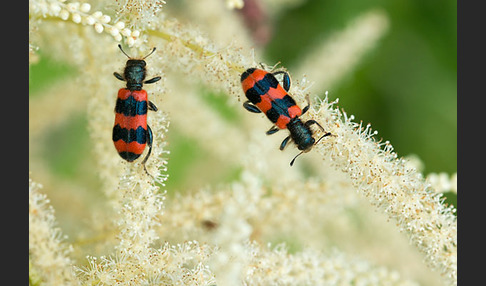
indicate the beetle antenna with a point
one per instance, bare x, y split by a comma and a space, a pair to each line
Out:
293, 160
119, 46
153, 50
325, 135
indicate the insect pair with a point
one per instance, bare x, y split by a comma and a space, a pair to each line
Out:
131, 133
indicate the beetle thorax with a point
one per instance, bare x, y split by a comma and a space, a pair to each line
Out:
301, 134
134, 74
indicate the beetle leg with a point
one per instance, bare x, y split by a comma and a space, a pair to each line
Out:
308, 106
286, 79
152, 80
250, 107
118, 76
149, 143
310, 122
284, 142
272, 130
152, 106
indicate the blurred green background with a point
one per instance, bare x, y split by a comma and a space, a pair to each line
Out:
406, 87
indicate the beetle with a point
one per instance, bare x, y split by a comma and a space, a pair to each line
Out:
265, 94
131, 133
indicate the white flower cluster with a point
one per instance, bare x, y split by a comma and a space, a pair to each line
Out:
277, 267
79, 13
180, 264
48, 253
395, 188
